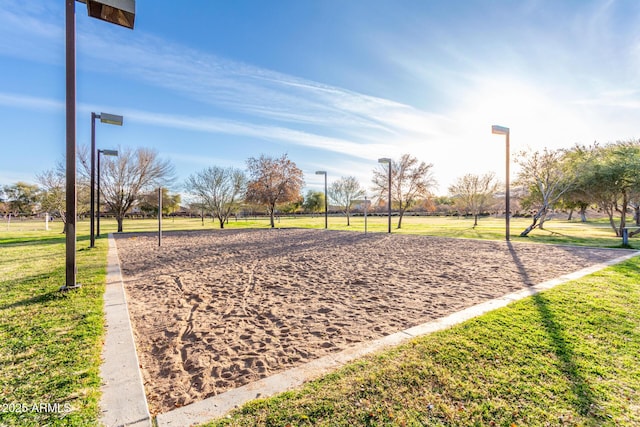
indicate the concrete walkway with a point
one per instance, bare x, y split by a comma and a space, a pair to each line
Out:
123, 401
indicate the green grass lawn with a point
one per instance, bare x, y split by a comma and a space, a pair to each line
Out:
570, 354
557, 231
50, 342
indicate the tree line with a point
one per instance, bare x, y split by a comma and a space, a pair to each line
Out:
605, 177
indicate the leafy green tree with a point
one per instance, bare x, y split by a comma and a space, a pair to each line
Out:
579, 196
291, 207
149, 202
313, 201
612, 175
21, 197
4, 206
344, 192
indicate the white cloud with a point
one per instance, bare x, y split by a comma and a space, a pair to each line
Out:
29, 102
552, 87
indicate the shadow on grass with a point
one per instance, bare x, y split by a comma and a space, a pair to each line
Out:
29, 241
561, 344
38, 299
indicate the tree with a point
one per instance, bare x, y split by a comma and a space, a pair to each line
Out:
4, 206
474, 193
22, 198
410, 180
292, 206
612, 175
53, 196
344, 192
443, 205
218, 189
149, 202
127, 177
579, 195
273, 181
313, 201
545, 176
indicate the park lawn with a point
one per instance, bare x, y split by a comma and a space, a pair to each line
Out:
566, 357
50, 342
595, 233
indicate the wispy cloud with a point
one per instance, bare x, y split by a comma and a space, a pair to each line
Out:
273, 133
553, 85
262, 93
214, 125
341, 119
29, 102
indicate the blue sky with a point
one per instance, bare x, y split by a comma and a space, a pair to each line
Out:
335, 84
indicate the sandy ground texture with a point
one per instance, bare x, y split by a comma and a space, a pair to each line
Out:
214, 310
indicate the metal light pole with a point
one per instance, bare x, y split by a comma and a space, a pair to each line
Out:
120, 12
365, 214
159, 216
501, 130
106, 153
366, 203
386, 160
326, 220
111, 119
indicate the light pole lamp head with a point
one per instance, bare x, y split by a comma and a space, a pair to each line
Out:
384, 160
321, 173
109, 152
499, 130
119, 12
111, 119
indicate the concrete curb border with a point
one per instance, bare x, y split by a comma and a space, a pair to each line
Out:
218, 406
123, 401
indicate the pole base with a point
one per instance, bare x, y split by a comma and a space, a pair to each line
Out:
66, 288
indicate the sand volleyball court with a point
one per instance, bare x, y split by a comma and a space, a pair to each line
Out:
214, 310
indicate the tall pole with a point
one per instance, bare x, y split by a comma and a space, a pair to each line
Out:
507, 196
326, 220
501, 130
159, 216
365, 214
92, 209
389, 216
70, 44
98, 198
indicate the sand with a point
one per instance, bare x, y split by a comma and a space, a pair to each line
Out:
214, 310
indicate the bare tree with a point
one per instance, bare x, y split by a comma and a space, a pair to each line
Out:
410, 181
53, 185
474, 193
127, 177
546, 177
218, 190
343, 192
273, 181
